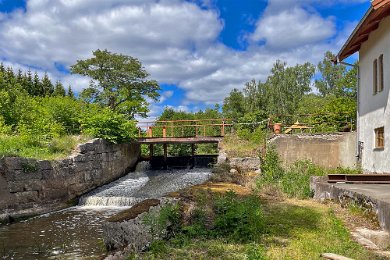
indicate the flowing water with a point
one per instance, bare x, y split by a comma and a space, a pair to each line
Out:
76, 233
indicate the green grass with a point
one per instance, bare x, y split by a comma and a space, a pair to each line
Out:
303, 230
235, 146
295, 229
56, 148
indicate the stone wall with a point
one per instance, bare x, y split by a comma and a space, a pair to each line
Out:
29, 186
128, 232
327, 150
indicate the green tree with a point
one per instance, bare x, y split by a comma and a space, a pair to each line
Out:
336, 79
286, 86
37, 86
47, 86
59, 90
70, 92
234, 105
118, 81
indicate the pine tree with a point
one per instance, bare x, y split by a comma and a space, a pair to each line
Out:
70, 92
29, 84
2, 68
10, 76
59, 90
19, 77
37, 86
47, 86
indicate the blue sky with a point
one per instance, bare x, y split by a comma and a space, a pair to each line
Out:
198, 50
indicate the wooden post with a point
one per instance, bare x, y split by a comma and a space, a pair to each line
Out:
139, 131
151, 150
164, 131
196, 131
165, 153
192, 155
204, 130
150, 131
223, 128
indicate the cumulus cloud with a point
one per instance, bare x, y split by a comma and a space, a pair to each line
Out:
291, 28
176, 40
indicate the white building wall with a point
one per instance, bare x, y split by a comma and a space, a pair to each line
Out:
374, 110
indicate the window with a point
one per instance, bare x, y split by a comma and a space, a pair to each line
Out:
375, 76
380, 137
378, 75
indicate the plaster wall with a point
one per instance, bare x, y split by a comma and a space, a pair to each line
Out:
327, 150
373, 108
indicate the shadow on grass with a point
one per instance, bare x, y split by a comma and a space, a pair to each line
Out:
284, 220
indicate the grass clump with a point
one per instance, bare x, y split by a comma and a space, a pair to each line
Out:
294, 181
55, 148
236, 146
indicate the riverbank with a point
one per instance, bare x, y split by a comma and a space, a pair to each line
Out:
30, 187
292, 229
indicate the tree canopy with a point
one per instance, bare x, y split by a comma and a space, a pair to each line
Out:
117, 81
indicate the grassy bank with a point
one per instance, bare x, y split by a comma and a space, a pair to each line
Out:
288, 229
247, 216
55, 148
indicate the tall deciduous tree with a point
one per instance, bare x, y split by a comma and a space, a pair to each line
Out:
118, 81
336, 78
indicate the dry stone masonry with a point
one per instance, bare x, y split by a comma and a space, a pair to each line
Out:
29, 186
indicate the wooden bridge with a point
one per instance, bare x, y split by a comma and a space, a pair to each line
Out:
182, 132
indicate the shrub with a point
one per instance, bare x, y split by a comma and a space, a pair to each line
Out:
240, 219
271, 168
294, 181
108, 125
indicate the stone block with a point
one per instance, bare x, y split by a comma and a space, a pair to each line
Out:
80, 158
27, 196
44, 165
14, 163
87, 147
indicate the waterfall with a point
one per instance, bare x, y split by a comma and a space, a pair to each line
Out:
119, 193
142, 184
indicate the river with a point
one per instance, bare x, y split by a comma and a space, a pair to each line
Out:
76, 233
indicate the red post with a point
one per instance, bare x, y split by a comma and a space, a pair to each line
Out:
150, 132
164, 131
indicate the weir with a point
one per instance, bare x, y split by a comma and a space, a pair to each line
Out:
77, 231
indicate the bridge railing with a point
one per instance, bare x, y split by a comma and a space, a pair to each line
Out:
184, 128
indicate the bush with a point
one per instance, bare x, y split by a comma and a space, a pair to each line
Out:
294, 181
240, 219
108, 125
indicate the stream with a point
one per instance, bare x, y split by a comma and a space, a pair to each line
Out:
76, 233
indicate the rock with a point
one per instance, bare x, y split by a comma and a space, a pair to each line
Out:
233, 171
246, 164
222, 158
380, 238
128, 229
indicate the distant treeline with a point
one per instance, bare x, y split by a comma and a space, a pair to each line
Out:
34, 85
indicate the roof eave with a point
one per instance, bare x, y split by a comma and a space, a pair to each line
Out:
357, 28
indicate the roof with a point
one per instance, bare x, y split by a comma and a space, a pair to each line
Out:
379, 10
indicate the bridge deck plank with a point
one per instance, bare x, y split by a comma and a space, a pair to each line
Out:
179, 140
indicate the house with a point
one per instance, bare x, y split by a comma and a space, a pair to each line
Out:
371, 39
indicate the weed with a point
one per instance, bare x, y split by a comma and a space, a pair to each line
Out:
29, 167
165, 222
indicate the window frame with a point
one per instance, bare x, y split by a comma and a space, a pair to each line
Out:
379, 138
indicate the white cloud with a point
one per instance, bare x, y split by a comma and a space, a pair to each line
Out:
176, 40
291, 28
